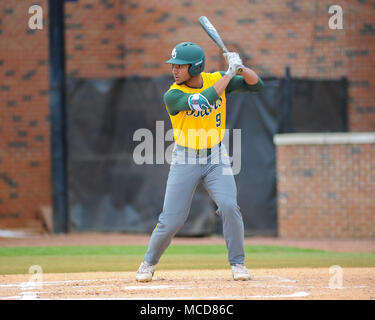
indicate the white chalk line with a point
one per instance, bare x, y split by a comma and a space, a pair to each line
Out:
157, 287
277, 278
10, 298
51, 283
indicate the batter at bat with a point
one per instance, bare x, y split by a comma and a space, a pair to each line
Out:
196, 102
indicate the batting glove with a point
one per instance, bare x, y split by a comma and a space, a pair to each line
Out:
234, 61
231, 71
232, 58
198, 102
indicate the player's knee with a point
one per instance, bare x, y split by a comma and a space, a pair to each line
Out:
171, 227
228, 207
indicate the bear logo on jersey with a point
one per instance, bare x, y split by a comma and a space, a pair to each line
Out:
206, 111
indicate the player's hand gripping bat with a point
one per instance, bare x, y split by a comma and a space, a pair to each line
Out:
214, 35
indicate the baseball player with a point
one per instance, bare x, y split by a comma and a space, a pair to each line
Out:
196, 103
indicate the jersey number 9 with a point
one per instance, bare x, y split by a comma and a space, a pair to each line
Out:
218, 120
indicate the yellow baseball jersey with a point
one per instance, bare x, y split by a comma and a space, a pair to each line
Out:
200, 129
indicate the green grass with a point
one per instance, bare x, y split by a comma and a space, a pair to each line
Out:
64, 259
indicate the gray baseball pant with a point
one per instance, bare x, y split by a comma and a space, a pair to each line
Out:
183, 178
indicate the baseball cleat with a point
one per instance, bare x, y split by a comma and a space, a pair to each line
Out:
240, 272
145, 272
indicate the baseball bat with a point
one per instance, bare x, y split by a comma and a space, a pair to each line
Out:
214, 35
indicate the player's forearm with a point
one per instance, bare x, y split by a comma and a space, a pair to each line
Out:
251, 80
238, 84
222, 84
250, 76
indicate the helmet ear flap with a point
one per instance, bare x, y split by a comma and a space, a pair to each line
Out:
192, 70
195, 70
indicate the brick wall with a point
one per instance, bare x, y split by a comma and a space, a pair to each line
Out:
107, 38
326, 185
95, 38
24, 116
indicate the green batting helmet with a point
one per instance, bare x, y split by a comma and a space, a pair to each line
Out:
189, 53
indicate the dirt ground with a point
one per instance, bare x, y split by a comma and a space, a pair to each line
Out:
285, 284
266, 284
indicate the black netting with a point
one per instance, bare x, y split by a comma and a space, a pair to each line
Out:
108, 191
319, 106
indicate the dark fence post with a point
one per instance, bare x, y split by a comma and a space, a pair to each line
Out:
58, 115
344, 81
288, 101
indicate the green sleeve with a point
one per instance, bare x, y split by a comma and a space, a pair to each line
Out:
177, 100
238, 84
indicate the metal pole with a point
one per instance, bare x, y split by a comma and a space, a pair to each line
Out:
288, 101
58, 115
344, 88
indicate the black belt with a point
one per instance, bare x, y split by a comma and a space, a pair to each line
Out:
198, 152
